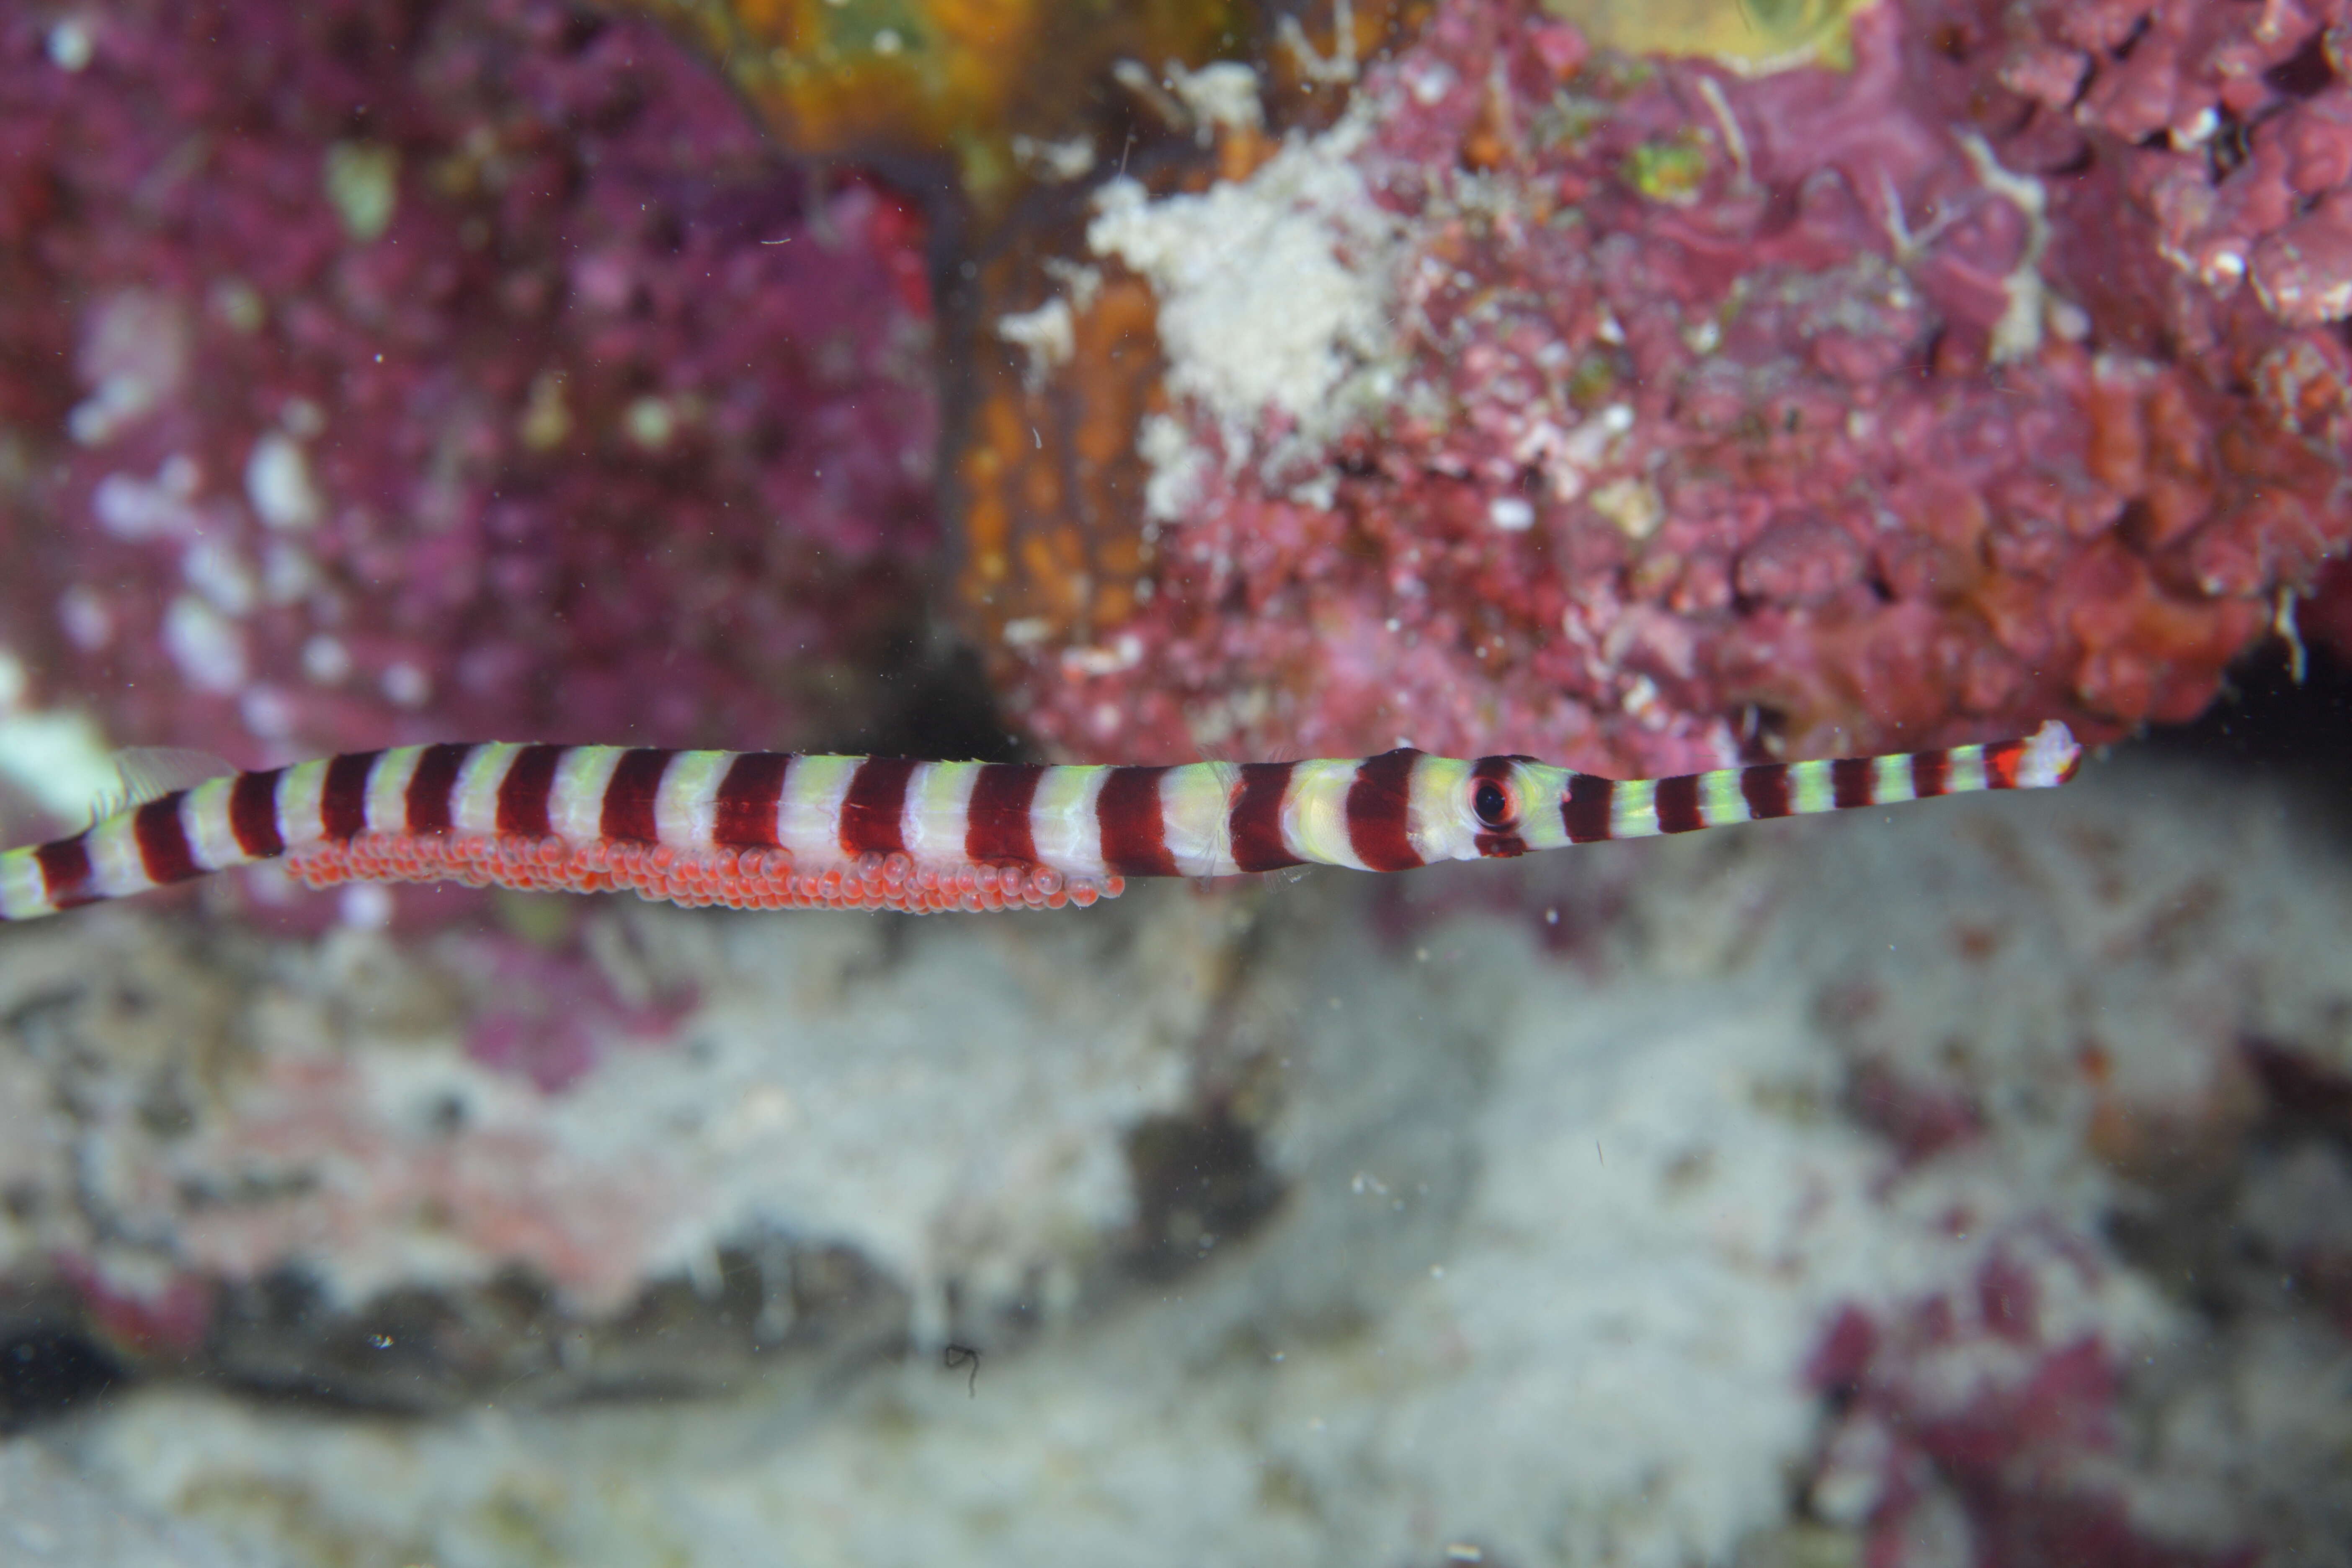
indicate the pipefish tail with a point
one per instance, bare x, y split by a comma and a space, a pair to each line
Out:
770, 830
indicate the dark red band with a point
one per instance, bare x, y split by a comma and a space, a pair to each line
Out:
1765, 787
526, 795
253, 813
1849, 783
1380, 811
628, 815
872, 813
1253, 822
1134, 828
342, 798
746, 816
996, 822
1931, 773
1677, 804
64, 871
1585, 813
431, 787
164, 853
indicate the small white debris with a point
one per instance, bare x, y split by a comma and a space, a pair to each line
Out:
134, 508
406, 684
278, 482
303, 419
1138, 80
363, 184
134, 356
1512, 514
83, 617
888, 43
1734, 142
650, 421
70, 46
238, 304
1181, 468
365, 906
214, 568
206, 646
325, 660
1337, 68
1850, 1482
2197, 132
2018, 333
1060, 162
1633, 505
287, 573
1223, 93
2223, 270
545, 420
267, 713
1123, 653
1046, 335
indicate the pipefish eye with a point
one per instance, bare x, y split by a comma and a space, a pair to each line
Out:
1491, 801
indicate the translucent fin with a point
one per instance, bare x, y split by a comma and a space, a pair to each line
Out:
150, 773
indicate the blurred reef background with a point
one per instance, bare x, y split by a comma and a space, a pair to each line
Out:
1646, 386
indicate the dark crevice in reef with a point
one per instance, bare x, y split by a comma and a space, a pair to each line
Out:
1201, 1182
942, 706
2258, 1232
769, 1308
47, 1371
2267, 724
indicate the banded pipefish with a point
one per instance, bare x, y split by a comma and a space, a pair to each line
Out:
768, 830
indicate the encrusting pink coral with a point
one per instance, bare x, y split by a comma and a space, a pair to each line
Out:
367, 372
1981, 1411
1662, 414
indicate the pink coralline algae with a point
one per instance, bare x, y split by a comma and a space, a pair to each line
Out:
370, 374
553, 1013
1979, 1424
1675, 415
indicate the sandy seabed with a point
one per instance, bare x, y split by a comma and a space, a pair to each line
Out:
1953, 1184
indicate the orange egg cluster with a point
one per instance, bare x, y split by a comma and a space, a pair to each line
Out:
751, 879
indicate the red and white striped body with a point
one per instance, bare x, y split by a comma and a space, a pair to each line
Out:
765, 830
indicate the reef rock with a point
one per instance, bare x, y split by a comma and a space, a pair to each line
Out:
371, 375
1645, 415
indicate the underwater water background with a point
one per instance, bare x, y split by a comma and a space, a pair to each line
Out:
1649, 389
